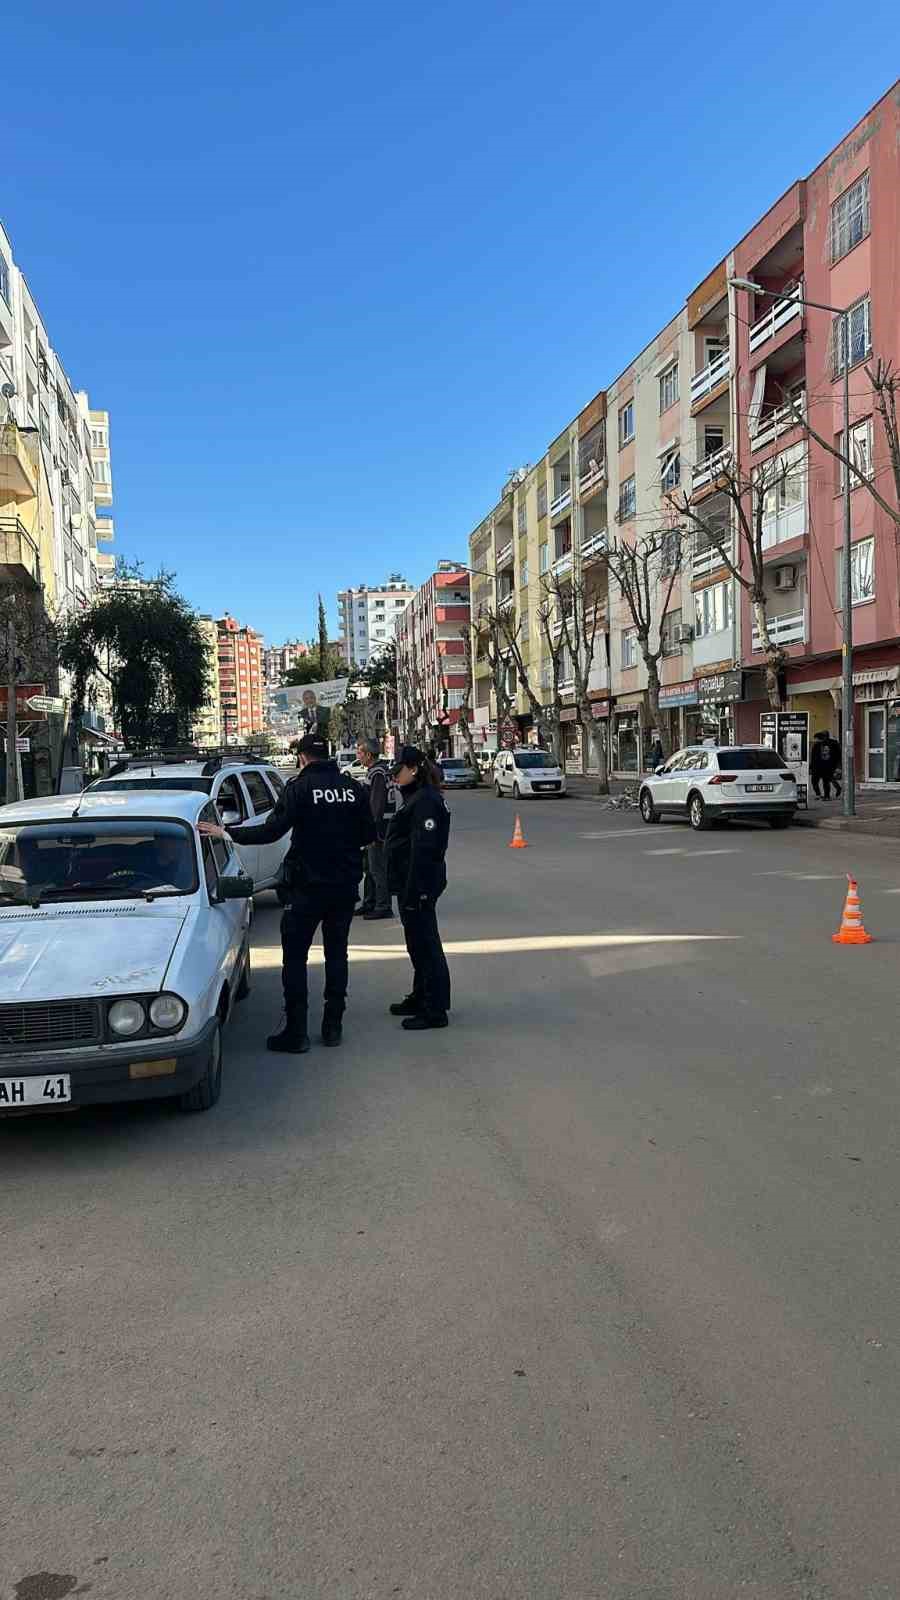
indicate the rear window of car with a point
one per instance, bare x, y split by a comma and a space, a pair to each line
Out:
534, 760
453, 766
196, 785
749, 760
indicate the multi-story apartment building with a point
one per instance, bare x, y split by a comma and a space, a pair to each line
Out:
103, 532
367, 617
716, 394
207, 729
278, 659
240, 680
432, 670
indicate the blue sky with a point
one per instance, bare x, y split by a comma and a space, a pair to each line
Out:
336, 270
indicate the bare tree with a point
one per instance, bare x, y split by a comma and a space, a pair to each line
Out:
885, 387
580, 612
464, 716
410, 693
545, 709
747, 496
645, 573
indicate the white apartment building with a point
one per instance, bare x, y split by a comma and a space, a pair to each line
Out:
277, 659
368, 615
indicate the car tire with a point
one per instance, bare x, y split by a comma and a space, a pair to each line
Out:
780, 822
517, 793
697, 816
649, 812
204, 1094
498, 791
243, 988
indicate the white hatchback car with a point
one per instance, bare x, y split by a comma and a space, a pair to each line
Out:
124, 944
245, 790
711, 783
527, 773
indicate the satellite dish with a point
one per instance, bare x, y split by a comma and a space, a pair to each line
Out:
8, 391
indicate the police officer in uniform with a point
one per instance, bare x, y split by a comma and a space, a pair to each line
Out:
330, 822
416, 846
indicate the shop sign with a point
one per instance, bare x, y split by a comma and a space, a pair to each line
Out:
722, 686
599, 708
788, 733
24, 693
629, 702
678, 694
568, 714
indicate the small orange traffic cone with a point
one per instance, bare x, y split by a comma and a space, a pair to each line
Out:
518, 840
851, 930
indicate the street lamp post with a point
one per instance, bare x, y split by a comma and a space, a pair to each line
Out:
848, 798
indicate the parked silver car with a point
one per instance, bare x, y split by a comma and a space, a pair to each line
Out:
457, 774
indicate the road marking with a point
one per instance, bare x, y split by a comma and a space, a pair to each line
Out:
734, 852
270, 956
806, 877
617, 833
676, 850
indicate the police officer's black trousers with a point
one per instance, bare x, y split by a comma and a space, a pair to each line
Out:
308, 908
431, 975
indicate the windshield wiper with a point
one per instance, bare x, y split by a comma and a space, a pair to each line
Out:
81, 892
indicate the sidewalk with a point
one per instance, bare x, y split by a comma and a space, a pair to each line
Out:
876, 813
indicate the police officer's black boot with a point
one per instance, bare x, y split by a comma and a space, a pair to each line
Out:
409, 1006
293, 1038
425, 1019
332, 1029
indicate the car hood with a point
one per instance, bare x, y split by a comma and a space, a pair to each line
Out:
75, 950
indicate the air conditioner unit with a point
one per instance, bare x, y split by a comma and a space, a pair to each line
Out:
684, 633
785, 577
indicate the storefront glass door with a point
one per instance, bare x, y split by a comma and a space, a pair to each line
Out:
875, 744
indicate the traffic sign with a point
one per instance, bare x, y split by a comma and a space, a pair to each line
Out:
44, 703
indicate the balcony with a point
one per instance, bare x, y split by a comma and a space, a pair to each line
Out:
106, 530
17, 470
556, 626
595, 545
786, 524
780, 421
566, 685
562, 564
505, 556
561, 502
779, 314
20, 560
592, 479
714, 373
710, 557
708, 470
506, 601
789, 629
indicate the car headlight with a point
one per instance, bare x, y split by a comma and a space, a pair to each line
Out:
126, 1017
167, 1011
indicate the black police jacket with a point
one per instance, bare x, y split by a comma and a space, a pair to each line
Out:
329, 819
416, 846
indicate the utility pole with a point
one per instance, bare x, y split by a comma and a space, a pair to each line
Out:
848, 794
12, 773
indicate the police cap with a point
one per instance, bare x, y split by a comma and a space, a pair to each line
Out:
312, 744
408, 756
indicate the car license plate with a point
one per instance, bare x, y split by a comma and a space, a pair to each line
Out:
759, 788
15, 1093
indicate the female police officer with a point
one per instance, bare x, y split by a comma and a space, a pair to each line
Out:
416, 845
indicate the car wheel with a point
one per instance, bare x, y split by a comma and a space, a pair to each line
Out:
648, 809
498, 791
697, 813
517, 793
243, 988
780, 822
204, 1094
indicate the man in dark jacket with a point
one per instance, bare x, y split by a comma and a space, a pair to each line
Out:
824, 764
376, 900
416, 847
330, 823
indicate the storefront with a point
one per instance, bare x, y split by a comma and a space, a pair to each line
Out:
570, 738
714, 716
628, 738
675, 702
600, 714
876, 705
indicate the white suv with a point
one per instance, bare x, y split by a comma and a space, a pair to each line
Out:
709, 783
244, 789
527, 773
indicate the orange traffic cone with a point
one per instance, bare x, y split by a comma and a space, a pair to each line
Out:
518, 840
851, 930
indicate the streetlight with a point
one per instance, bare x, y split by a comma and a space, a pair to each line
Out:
848, 800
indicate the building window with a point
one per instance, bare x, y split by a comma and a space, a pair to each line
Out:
713, 441
542, 500
669, 634
543, 559
850, 218
712, 609
784, 502
4, 279
670, 471
859, 324
626, 423
668, 387
862, 571
101, 472
670, 550
860, 452
629, 648
627, 500
523, 575
521, 518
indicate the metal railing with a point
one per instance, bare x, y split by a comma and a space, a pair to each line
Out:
562, 564
710, 467
561, 502
714, 373
788, 629
592, 478
595, 545
710, 557
779, 421
505, 556
779, 314
18, 549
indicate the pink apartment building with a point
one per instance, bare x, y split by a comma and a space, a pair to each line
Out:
431, 658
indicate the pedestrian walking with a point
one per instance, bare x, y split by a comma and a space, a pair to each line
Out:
330, 822
824, 764
417, 873
383, 800
655, 758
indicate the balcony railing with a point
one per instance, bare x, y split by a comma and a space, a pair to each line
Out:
505, 556
561, 502
780, 421
17, 468
789, 629
556, 626
789, 523
595, 545
714, 373
562, 564
705, 471
506, 601
592, 479
19, 555
779, 314
710, 557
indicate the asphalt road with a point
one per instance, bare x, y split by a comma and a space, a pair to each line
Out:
594, 1294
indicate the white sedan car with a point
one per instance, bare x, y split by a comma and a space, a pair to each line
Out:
527, 774
712, 783
124, 944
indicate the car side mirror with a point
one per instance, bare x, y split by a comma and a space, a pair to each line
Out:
234, 888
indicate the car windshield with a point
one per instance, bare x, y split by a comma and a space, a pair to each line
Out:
197, 785
534, 760
749, 760
453, 766
88, 859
